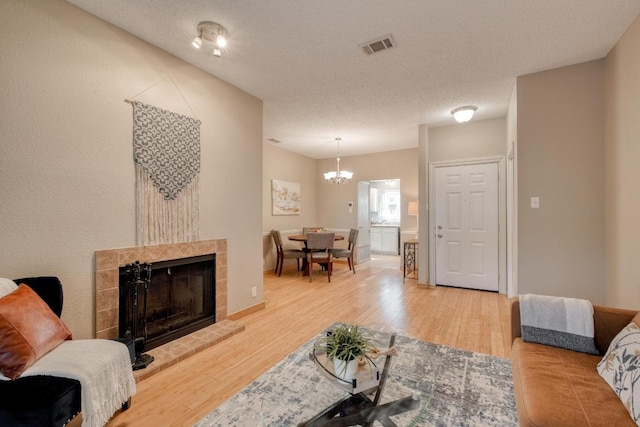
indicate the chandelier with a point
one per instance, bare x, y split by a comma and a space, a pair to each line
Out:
338, 176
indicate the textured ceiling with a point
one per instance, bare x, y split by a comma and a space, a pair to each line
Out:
303, 57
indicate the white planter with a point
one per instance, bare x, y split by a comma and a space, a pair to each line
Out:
347, 373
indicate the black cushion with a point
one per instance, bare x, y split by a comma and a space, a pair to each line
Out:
39, 401
48, 288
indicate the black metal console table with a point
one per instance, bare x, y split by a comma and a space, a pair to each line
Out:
410, 259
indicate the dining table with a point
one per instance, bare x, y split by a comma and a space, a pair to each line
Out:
303, 238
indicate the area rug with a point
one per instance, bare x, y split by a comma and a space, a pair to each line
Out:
455, 387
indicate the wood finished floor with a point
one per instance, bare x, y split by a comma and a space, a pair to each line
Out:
297, 310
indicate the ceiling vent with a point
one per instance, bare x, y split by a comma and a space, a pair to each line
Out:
382, 44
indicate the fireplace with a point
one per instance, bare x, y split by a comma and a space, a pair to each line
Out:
109, 261
173, 299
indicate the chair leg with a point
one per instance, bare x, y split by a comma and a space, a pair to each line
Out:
310, 270
329, 268
280, 263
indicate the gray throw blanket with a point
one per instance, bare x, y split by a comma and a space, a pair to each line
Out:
559, 322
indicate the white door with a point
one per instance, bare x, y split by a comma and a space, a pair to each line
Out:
467, 226
364, 249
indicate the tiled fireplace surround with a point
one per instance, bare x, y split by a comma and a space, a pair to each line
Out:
108, 263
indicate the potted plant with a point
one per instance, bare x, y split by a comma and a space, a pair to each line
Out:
345, 345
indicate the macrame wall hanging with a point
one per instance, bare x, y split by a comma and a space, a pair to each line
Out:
166, 154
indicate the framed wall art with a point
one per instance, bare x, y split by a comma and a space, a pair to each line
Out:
285, 197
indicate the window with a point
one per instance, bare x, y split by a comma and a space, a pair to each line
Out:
391, 206
385, 206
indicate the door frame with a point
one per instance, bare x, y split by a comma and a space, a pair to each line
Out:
363, 252
502, 214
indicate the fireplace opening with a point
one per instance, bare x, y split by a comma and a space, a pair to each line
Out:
175, 298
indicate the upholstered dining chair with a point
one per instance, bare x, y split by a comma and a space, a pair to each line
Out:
307, 230
320, 245
349, 252
283, 254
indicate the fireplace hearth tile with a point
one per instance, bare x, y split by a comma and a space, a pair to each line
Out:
106, 299
222, 259
106, 318
178, 350
106, 259
106, 278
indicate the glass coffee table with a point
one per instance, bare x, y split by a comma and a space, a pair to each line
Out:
376, 396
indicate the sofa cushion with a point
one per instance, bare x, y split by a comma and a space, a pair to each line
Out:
39, 400
28, 330
620, 368
558, 387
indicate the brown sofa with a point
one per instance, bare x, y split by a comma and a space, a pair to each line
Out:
557, 387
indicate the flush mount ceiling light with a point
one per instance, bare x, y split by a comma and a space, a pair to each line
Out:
338, 176
464, 114
214, 33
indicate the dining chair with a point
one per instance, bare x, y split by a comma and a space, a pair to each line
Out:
320, 245
283, 254
349, 251
307, 230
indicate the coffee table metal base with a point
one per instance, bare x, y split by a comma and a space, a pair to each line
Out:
359, 409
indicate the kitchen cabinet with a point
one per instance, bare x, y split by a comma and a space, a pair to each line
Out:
385, 240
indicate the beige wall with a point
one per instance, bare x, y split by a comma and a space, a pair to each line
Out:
477, 138
286, 166
560, 159
333, 209
622, 170
66, 169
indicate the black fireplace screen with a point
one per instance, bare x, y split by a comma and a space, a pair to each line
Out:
180, 299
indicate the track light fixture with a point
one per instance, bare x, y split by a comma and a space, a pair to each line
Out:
214, 33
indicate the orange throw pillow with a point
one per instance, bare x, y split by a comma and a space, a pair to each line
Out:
28, 331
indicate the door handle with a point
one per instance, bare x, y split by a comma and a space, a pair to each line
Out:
439, 227
439, 236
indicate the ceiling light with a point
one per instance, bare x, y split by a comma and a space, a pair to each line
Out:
221, 41
464, 114
214, 33
338, 176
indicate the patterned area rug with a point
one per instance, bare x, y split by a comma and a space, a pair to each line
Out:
456, 388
